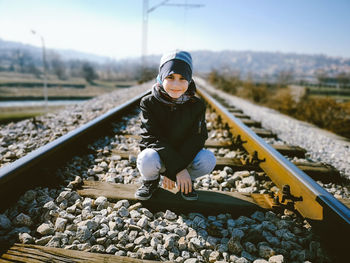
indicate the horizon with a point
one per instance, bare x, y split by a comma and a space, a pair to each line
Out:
199, 50
113, 29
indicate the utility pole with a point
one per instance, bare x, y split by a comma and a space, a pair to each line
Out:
145, 13
44, 67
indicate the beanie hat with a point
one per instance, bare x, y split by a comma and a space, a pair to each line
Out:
175, 62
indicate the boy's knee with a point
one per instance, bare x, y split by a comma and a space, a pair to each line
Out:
211, 160
148, 162
205, 160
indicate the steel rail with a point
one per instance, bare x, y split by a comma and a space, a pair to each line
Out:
317, 203
21, 172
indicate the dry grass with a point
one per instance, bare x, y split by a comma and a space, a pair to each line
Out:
325, 112
13, 114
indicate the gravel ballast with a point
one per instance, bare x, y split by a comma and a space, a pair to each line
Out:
321, 145
20, 138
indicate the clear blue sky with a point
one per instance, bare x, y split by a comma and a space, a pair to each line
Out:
113, 28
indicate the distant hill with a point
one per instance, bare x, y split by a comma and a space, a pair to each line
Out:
7, 47
258, 64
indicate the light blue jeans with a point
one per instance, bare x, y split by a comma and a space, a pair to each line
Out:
150, 165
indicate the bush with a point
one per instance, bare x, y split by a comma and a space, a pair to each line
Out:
326, 113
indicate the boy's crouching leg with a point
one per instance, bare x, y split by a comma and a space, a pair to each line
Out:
149, 165
204, 163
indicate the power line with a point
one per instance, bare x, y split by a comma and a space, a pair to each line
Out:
145, 13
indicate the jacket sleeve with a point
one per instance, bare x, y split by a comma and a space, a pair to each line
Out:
195, 142
152, 138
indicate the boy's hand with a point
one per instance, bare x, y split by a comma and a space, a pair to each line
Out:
184, 182
168, 183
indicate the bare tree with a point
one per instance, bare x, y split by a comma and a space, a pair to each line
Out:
58, 66
88, 72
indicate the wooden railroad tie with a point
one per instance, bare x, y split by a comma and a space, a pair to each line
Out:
288, 150
208, 203
317, 171
34, 253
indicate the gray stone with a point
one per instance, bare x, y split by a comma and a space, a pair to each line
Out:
98, 249
146, 212
135, 214
170, 215
87, 202
29, 196
250, 247
132, 235
185, 254
123, 211
248, 181
191, 260
182, 243
25, 238
276, 259
283, 224
101, 202
169, 242
143, 222
121, 203
101, 240
103, 230
71, 209
155, 242
269, 226
236, 234
266, 252
199, 222
83, 233
43, 241
86, 214
179, 260
140, 240
258, 216
55, 241
5, 223
234, 246
180, 231
222, 248
248, 256
195, 244
135, 206
148, 253
45, 229
214, 256
23, 220
274, 241
60, 224
211, 242
231, 223
260, 261
63, 196
289, 236
242, 260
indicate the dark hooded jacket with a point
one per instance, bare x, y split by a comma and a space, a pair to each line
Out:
177, 132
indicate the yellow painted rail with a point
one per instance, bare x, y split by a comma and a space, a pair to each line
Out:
317, 203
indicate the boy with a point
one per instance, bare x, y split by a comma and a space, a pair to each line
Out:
173, 131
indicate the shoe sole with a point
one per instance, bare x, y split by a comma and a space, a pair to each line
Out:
189, 198
142, 198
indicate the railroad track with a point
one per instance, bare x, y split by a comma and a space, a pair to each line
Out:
84, 173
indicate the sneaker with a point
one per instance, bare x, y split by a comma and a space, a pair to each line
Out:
146, 190
191, 196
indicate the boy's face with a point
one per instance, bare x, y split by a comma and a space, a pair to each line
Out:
175, 85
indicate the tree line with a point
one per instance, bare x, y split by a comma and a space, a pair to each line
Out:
24, 61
